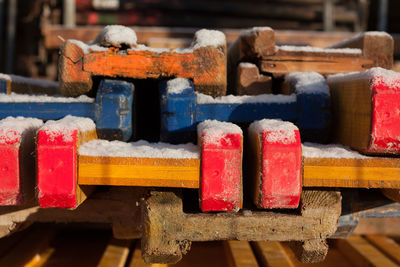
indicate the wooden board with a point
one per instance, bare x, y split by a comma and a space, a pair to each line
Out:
24, 85
206, 66
271, 254
250, 82
356, 173
116, 253
386, 245
239, 254
156, 172
364, 111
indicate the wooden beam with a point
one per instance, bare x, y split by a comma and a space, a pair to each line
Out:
361, 253
271, 253
24, 85
251, 82
116, 253
239, 254
158, 172
137, 260
386, 245
364, 107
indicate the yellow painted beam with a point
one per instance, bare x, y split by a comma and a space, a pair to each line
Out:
160, 172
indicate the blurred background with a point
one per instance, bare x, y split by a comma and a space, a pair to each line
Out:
32, 31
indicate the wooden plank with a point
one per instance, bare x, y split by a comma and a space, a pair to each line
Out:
33, 250
271, 254
393, 194
351, 172
24, 85
276, 169
206, 65
137, 260
251, 82
116, 253
57, 150
364, 111
378, 226
386, 245
377, 47
221, 166
279, 65
17, 144
156, 172
361, 253
239, 254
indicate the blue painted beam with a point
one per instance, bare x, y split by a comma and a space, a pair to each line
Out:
112, 110
181, 112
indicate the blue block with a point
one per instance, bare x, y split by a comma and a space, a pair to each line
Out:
114, 101
180, 113
112, 110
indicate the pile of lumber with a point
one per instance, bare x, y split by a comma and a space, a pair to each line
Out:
261, 163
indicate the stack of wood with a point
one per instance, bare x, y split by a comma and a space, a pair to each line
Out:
276, 172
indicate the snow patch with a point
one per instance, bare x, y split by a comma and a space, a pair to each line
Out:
277, 131
312, 49
21, 98
87, 48
254, 30
67, 126
247, 65
359, 36
313, 150
12, 128
139, 149
308, 82
203, 38
231, 99
178, 85
214, 130
116, 35
150, 49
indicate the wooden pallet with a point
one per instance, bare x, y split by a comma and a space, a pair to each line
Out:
81, 246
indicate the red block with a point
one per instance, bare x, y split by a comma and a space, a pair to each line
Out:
276, 158
221, 166
385, 128
16, 160
57, 150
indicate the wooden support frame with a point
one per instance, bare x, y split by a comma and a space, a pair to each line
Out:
205, 65
23, 85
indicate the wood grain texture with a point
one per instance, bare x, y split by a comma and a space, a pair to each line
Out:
280, 65
271, 254
361, 253
125, 171
206, 66
251, 82
356, 173
239, 254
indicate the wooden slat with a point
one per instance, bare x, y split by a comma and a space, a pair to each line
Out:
271, 254
280, 65
343, 172
239, 254
386, 245
362, 253
116, 253
32, 250
136, 260
139, 171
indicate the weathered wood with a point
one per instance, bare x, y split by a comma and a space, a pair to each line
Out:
168, 230
310, 251
386, 245
378, 47
393, 194
23, 85
116, 253
158, 172
57, 153
205, 65
361, 253
279, 65
271, 253
251, 82
364, 111
239, 254
137, 260
351, 172
378, 226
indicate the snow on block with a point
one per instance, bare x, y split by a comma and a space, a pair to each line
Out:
276, 169
16, 162
221, 166
57, 147
366, 108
